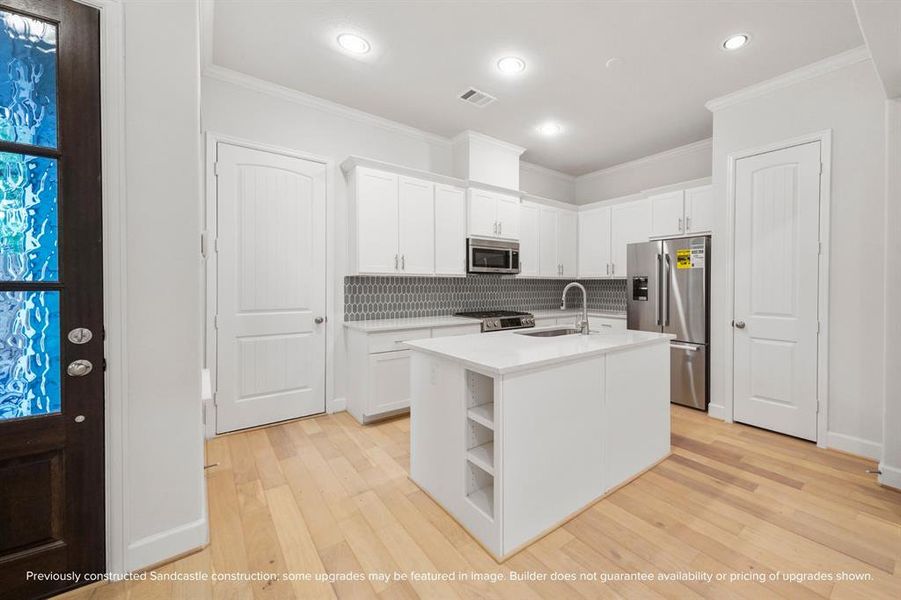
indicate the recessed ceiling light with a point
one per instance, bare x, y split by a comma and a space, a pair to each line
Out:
511, 64
550, 129
354, 43
734, 42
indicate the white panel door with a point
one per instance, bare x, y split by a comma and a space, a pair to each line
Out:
777, 197
528, 240
450, 230
416, 229
667, 212
568, 243
508, 217
548, 265
699, 210
482, 213
630, 223
271, 288
594, 243
376, 221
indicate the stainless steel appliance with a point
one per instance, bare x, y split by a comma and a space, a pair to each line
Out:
499, 320
669, 291
492, 256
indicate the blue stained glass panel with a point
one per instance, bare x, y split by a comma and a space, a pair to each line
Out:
29, 354
27, 80
28, 218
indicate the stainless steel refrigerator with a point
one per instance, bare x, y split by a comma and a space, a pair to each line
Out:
669, 292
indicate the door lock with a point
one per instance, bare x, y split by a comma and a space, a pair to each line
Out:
80, 335
79, 368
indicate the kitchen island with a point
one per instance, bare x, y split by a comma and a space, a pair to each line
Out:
515, 433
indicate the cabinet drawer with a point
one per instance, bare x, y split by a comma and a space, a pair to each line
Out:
393, 340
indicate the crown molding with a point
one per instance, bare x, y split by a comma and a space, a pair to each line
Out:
811, 71
291, 95
546, 171
469, 134
700, 145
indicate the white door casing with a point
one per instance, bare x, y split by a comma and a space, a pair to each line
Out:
776, 264
271, 287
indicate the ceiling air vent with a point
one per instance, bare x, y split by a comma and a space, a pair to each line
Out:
477, 97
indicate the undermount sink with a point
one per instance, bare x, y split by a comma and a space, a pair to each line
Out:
550, 332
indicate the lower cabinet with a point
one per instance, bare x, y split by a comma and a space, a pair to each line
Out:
378, 384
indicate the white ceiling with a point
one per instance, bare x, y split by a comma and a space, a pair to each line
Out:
425, 53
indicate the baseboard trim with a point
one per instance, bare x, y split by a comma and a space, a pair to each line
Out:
853, 445
890, 476
336, 405
164, 546
716, 411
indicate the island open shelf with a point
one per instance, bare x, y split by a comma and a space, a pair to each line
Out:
513, 450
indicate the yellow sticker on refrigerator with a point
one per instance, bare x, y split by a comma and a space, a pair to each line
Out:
683, 259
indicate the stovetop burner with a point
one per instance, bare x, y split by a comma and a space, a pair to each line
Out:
498, 320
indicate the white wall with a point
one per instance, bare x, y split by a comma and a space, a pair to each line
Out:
547, 183
162, 499
234, 109
851, 103
692, 161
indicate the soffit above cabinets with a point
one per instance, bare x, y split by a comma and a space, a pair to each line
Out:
424, 53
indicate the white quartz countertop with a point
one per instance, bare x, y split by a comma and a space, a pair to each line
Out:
508, 352
413, 323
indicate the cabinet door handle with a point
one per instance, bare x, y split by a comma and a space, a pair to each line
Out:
608, 268
403, 262
613, 268
500, 227
687, 223
680, 224
396, 261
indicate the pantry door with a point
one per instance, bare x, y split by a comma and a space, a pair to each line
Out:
775, 327
51, 290
271, 257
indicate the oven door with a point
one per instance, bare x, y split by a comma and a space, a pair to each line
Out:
486, 256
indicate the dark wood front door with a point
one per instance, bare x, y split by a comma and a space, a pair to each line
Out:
51, 266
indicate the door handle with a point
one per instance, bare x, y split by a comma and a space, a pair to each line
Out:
79, 368
608, 268
659, 292
666, 261
500, 227
403, 262
738, 324
613, 268
684, 347
396, 261
495, 227
319, 320
680, 224
687, 223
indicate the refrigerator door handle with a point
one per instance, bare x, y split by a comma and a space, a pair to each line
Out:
659, 298
665, 288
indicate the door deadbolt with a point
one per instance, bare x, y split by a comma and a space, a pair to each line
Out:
79, 368
80, 335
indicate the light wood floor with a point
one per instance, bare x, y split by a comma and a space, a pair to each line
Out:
328, 495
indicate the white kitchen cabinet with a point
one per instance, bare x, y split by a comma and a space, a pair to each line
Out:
380, 364
594, 242
699, 210
630, 223
558, 232
528, 240
450, 230
376, 210
667, 213
416, 218
493, 215
567, 243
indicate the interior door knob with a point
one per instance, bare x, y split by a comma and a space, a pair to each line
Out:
739, 324
319, 320
79, 368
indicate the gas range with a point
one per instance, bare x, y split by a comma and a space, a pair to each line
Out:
499, 320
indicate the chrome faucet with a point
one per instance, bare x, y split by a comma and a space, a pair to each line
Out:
583, 324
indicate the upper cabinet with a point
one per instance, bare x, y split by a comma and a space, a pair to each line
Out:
699, 210
557, 242
682, 212
604, 234
450, 230
493, 215
528, 240
405, 226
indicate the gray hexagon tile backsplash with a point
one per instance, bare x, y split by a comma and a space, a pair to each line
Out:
368, 297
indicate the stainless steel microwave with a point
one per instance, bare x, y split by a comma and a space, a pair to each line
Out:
492, 256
